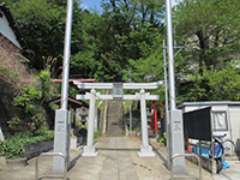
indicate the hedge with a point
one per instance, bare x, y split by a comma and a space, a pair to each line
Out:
13, 147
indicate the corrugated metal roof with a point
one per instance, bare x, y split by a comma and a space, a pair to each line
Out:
210, 103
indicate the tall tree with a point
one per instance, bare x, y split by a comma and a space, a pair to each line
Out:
209, 30
42, 24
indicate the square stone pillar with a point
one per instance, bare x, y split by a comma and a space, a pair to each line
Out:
61, 139
146, 149
89, 150
177, 142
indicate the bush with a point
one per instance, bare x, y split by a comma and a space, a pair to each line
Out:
163, 139
13, 147
32, 104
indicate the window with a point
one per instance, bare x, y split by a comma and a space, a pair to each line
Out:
219, 121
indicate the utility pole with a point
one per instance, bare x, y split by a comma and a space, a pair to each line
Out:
170, 56
62, 124
167, 121
176, 120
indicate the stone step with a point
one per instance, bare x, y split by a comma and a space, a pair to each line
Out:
185, 178
115, 119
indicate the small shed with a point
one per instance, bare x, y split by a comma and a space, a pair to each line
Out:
225, 117
73, 105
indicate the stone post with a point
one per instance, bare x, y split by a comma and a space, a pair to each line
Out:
146, 149
89, 150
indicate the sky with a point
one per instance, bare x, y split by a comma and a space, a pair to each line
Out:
91, 4
96, 4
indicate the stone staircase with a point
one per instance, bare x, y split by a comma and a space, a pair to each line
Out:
115, 124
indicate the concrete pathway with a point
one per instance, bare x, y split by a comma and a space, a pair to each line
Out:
117, 160
232, 173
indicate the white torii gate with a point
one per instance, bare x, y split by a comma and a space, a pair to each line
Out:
117, 88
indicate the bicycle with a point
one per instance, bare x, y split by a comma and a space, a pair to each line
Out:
217, 150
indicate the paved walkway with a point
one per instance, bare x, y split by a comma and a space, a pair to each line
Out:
117, 160
232, 173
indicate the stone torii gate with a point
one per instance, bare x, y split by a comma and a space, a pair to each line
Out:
118, 94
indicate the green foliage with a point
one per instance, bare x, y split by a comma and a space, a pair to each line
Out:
13, 146
32, 104
127, 105
124, 43
163, 139
213, 85
97, 135
210, 32
42, 25
224, 84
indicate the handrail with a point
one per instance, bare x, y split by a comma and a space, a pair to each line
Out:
53, 154
188, 155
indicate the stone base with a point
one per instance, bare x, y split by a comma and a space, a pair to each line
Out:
89, 151
146, 152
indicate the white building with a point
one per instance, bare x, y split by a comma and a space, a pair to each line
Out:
225, 118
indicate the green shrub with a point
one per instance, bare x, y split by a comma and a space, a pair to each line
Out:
163, 139
97, 134
13, 146
32, 104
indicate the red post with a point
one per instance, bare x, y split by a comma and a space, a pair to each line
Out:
151, 117
155, 120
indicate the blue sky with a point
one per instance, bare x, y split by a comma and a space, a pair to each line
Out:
91, 4
96, 4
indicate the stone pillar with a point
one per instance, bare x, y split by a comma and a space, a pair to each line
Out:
96, 119
61, 139
177, 142
89, 149
146, 149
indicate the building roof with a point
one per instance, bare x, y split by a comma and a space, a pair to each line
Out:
210, 103
72, 102
11, 21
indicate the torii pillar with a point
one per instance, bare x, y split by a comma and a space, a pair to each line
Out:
146, 149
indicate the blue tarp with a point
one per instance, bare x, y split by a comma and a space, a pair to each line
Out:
204, 152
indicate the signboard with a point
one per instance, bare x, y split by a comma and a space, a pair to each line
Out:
117, 91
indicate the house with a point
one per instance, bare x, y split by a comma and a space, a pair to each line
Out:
10, 38
13, 71
225, 118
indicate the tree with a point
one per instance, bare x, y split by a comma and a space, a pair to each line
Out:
209, 30
42, 24
123, 35
33, 104
213, 85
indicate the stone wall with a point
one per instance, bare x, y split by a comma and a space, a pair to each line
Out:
33, 150
13, 75
8, 45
